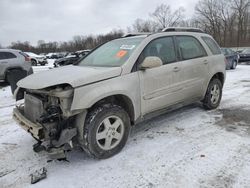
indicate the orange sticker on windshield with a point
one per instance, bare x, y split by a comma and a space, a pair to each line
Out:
121, 53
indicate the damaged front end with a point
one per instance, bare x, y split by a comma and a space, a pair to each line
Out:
46, 115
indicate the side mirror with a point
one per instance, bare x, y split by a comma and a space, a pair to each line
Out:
151, 62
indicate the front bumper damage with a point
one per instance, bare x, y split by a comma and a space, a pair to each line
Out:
36, 130
55, 146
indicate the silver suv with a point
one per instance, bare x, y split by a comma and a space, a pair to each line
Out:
94, 104
13, 60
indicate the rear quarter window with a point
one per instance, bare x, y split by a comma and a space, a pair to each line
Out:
212, 45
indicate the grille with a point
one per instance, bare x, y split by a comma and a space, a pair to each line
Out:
33, 107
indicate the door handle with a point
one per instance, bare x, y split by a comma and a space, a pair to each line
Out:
176, 69
205, 62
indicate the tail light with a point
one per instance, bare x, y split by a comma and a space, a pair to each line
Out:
27, 59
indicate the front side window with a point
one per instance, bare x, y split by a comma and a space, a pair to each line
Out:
163, 48
190, 47
112, 54
212, 45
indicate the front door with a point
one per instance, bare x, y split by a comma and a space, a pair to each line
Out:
160, 85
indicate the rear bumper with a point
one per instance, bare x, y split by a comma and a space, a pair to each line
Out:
36, 130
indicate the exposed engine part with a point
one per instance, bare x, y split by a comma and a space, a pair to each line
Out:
38, 175
52, 114
38, 147
65, 136
57, 153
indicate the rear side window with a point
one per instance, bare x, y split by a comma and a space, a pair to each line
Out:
7, 55
212, 45
10, 55
190, 47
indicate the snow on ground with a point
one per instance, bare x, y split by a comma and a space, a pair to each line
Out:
189, 147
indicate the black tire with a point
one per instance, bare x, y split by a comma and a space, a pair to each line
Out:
234, 65
208, 102
94, 120
33, 62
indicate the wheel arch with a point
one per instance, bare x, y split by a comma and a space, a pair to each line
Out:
220, 76
119, 99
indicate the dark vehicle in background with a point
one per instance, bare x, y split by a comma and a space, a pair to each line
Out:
49, 55
245, 56
71, 58
232, 58
56, 55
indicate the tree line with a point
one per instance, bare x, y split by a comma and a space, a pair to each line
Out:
228, 21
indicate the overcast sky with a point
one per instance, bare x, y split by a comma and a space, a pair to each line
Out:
60, 20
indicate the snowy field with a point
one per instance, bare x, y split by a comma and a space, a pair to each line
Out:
189, 147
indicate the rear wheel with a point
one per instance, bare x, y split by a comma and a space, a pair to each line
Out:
106, 130
213, 95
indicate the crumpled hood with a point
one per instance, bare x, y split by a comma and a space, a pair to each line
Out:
73, 75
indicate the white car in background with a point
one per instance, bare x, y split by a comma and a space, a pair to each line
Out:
37, 59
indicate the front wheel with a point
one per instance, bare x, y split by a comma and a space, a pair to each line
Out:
106, 130
213, 95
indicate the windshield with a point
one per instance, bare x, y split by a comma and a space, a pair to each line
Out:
246, 51
112, 54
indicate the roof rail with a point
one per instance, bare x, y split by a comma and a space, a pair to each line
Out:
135, 34
183, 29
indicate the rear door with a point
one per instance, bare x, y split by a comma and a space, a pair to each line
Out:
193, 67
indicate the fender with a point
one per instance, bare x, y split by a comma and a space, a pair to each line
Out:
215, 67
127, 85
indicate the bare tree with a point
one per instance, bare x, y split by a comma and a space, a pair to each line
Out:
226, 20
165, 17
141, 25
241, 8
77, 43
